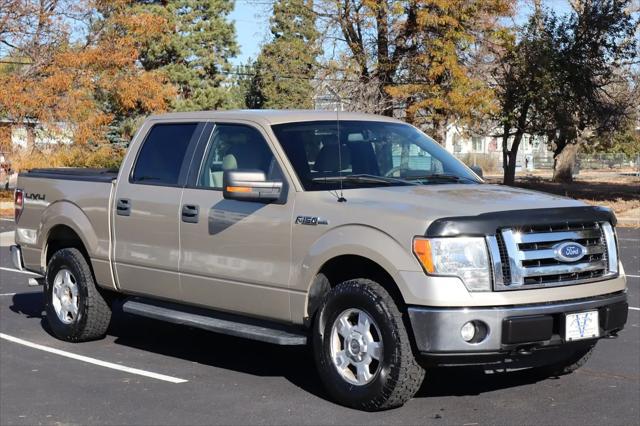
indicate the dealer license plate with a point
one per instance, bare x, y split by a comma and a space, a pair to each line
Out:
581, 325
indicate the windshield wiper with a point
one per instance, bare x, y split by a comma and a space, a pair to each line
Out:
441, 178
362, 178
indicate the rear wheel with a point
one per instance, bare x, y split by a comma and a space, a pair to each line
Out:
362, 348
76, 311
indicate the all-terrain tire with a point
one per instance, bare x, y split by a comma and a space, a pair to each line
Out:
93, 313
399, 376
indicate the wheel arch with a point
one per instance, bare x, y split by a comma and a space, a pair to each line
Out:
65, 225
346, 267
354, 251
60, 237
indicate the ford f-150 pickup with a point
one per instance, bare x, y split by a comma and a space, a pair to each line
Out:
357, 234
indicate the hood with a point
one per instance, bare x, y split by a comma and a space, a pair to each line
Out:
431, 202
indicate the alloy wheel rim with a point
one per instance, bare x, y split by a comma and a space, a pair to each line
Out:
65, 298
356, 347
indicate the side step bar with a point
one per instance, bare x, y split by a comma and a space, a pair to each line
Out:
233, 325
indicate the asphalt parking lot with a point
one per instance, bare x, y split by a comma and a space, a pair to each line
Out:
188, 376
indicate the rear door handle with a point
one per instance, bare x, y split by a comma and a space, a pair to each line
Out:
190, 213
123, 207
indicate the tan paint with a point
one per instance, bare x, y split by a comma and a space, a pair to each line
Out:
262, 264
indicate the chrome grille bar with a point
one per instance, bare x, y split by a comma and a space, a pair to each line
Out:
564, 269
549, 253
529, 257
541, 237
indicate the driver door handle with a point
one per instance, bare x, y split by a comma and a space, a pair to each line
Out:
190, 213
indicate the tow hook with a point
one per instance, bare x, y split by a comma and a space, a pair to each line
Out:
523, 350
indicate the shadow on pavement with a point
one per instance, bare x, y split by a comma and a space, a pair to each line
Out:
294, 363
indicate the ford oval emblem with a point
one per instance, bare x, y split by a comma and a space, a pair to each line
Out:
569, 251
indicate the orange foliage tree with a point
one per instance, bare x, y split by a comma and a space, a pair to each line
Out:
74, 65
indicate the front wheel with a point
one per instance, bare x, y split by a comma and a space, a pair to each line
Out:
76, 310
362, 348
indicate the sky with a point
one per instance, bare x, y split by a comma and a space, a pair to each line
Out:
252, 24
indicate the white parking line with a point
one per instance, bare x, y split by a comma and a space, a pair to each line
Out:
93, 360
7, 294
2, 268
628, 239
632, 276
6, 219
631, 308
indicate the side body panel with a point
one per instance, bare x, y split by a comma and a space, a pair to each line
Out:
80, 205
146, 240
237, 257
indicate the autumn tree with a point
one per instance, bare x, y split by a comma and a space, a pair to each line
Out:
196, 55
81, 86
421, 55
287, 64
441, 81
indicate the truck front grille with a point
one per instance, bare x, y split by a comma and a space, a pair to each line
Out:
528, 257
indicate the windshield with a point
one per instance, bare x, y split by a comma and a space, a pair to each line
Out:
372, 153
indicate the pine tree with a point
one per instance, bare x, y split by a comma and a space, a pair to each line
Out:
196, 55
287, 64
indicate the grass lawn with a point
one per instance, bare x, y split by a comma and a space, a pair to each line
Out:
618, 191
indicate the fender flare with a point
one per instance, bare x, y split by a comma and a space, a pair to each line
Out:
70, 215
359, 240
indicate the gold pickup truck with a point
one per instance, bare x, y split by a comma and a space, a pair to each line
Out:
356, 234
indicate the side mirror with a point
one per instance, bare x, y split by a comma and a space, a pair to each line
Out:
477, 170
249, 185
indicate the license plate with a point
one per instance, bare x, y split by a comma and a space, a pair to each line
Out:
581, 325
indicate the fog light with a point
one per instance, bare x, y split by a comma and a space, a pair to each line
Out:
468, 331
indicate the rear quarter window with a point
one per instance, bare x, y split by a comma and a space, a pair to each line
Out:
162, 154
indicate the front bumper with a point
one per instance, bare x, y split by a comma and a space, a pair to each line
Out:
509, 329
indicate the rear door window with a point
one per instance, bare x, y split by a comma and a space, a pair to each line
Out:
163, 153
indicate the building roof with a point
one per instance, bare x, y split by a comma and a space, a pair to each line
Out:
270, 117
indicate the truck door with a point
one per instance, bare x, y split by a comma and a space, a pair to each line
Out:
147, 203
235, 254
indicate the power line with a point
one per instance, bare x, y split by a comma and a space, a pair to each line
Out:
14, 62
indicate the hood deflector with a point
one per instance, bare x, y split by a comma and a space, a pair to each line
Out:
488, 223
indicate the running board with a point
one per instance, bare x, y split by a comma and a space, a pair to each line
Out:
233, 325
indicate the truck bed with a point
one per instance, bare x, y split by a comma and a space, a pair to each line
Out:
73, 173
76, 198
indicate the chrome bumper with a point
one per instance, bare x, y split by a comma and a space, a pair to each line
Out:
16, 257
437, 330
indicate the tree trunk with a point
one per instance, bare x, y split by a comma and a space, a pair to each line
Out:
510, 156
31, 136
440, 132
564, 163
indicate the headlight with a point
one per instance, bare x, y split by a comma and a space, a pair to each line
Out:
463, 257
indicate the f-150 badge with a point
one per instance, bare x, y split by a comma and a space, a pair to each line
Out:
311, 220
